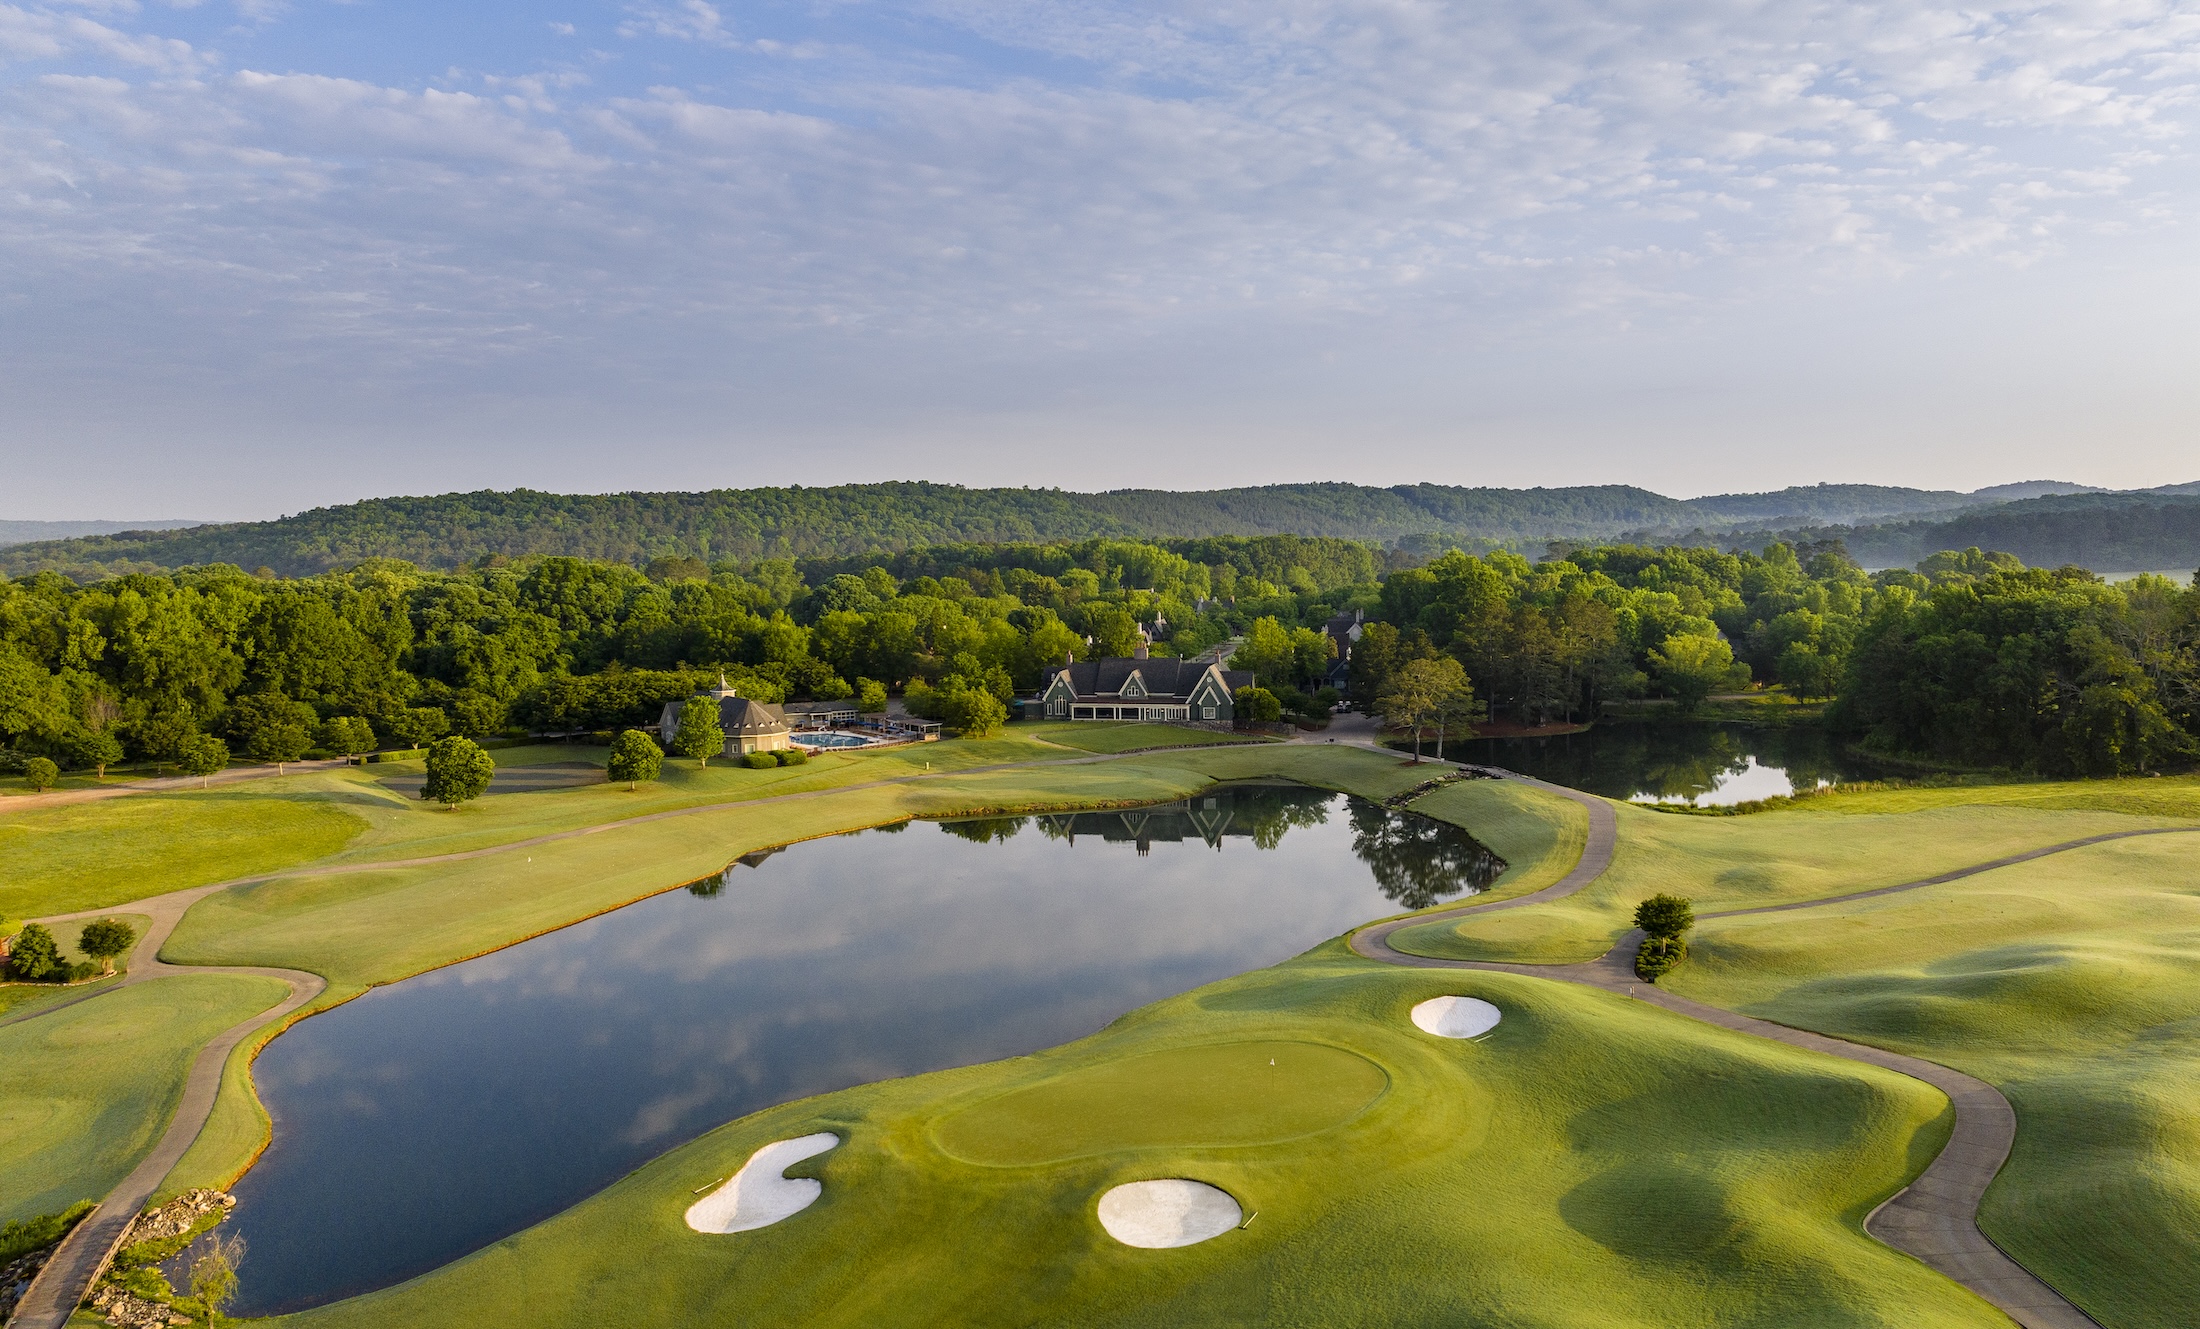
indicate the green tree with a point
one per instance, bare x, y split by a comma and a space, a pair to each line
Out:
105, 938
1268, 653
96, 748
348, 734
1666, 915
698, 734
204, 756
1456, 706
1424, 693
458, 771
214, 1277
33, 955
1689, 668
635, 757
870, 696
1256, 704
40, 774
972, 712
417, 726
272, 727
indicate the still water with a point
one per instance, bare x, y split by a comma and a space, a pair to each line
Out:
1704, 764
431, 1117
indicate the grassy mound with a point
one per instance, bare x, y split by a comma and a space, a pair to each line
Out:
1216, 1095
1744, 862
1596, 1162
91, 855
2073, 985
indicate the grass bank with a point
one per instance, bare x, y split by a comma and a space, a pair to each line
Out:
1832, 847
2073, 985
1594, 1162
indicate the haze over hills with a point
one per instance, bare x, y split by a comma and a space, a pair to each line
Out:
24, 532
453, 529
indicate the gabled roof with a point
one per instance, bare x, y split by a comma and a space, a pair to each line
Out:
1163, 677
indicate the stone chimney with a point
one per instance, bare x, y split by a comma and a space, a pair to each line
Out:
1138, 652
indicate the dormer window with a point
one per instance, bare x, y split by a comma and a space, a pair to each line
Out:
1134, 686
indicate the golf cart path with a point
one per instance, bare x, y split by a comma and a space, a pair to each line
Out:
83, 1254
1935, 1218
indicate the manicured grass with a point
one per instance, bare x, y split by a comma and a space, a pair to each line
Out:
1125, 736
1743, 862
1595, 1163
89, 855
19, 997
2073, 985
84, 1092
1193, 1096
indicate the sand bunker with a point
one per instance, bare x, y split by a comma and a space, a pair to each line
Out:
1456, 1017
1170, 1212
759, 1195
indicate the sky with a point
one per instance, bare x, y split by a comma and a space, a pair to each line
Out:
263, 255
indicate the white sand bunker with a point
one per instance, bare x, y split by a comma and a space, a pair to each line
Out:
1456, 1017
1169, 1212
759, 1195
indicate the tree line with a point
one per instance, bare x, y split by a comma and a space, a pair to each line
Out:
185, 668
1971, 658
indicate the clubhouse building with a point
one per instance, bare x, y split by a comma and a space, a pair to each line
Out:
750, 726
1139, 688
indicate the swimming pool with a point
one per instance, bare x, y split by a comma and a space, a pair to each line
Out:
834, 739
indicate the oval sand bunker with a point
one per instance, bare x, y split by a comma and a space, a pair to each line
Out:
1456, 1017
1156, 1215
759, 1195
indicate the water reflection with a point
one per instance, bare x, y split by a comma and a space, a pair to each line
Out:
1703, 764
457, 1107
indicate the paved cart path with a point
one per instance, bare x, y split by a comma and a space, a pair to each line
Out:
1935, 1218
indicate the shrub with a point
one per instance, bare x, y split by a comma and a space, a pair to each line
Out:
25, 1235
34, 956
760, 761
1657, 956
40, 773
1258, 704
791, 756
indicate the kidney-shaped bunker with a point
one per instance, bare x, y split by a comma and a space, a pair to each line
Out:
760, 1194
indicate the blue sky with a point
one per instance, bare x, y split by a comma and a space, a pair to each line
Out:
260, 256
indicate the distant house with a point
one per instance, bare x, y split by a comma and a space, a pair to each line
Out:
750, 726
819, 714
1344, 630
1139, 688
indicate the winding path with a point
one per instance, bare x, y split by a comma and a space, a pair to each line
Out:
84, 1253
1935, 1218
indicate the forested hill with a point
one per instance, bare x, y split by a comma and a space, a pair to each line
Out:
2143, 532
743, 524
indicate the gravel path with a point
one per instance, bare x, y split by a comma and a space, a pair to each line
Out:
1935, 1218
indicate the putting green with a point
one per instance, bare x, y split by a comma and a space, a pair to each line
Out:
1212, 1096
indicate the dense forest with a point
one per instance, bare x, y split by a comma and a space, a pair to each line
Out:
1971, 658
854, 521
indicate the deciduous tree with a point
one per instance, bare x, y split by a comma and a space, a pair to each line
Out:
458, 772
635, 757
698, 734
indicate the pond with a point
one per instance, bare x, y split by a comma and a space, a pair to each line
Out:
428, 1118
1709, 765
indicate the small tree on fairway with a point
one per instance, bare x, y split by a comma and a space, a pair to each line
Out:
634, 758
1664, 919
203, 756
698, 734
1666, 915
40, 773
458, 772
33, 955
105, 938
